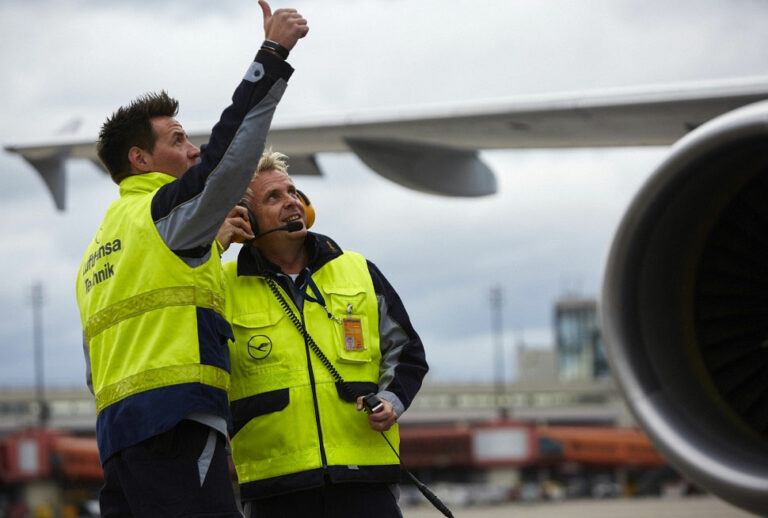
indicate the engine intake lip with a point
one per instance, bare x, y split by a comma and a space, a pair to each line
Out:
662, 315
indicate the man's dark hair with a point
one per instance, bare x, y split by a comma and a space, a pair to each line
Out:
130, 126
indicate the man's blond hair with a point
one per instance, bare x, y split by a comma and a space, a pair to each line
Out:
272, 160
269, 161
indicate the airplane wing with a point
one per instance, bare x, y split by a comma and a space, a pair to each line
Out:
435, 149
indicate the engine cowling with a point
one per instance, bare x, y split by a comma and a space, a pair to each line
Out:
685, 307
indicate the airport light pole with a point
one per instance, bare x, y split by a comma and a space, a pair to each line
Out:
37, 330
497, 302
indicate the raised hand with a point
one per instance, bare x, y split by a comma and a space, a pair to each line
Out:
284, 26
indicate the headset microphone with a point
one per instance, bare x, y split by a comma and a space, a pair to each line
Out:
293, 226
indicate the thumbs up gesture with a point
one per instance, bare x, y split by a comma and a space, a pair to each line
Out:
284, 26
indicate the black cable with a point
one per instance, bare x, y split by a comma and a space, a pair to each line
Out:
312, 345
428, 494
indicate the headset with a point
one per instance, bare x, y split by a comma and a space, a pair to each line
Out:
309, 209
309, 212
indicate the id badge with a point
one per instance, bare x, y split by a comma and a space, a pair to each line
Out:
353, 334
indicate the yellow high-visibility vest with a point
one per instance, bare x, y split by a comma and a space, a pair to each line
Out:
138, 302
284, 423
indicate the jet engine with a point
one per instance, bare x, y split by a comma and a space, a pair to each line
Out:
685, 307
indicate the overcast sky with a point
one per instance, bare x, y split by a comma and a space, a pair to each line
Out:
545, 233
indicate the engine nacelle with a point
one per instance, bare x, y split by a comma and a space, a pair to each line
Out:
685, 307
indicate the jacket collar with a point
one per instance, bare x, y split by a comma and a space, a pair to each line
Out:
143, 183
320, 250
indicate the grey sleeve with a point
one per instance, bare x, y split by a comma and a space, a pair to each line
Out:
392, 338
88, 375
195, 222
403, 362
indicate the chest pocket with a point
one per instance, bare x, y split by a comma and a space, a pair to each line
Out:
260, 341
352, 337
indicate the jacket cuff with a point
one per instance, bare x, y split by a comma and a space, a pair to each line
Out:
397, 405
273, 65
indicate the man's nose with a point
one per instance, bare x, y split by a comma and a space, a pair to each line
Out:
194, 152
293, 200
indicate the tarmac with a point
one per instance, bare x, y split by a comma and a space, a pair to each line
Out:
679, 507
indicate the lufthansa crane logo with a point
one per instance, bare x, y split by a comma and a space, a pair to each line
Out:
259, 347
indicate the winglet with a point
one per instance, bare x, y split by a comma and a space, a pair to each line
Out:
54, 175
50, 162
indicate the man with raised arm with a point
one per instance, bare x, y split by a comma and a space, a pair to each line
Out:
151, 297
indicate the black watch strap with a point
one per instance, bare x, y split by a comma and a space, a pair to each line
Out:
276, 48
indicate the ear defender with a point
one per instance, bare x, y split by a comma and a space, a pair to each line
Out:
251, 218
309, 209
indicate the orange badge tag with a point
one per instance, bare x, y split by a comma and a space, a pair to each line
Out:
353, 335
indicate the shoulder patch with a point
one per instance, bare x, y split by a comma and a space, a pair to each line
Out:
255, 72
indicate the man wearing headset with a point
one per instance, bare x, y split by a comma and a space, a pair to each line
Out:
316, 328
151, 297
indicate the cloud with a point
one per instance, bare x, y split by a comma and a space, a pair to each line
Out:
546, 232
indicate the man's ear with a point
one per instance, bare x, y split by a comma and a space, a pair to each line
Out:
140, 160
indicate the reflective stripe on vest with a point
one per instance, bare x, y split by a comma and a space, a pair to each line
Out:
151, 300
162, 377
